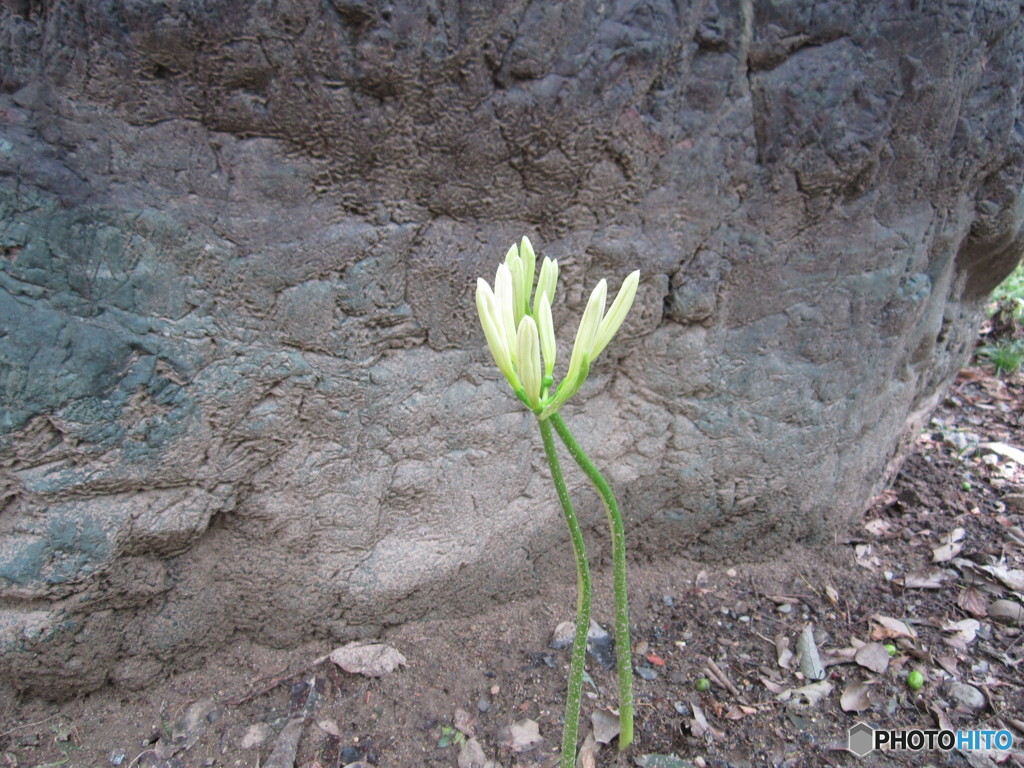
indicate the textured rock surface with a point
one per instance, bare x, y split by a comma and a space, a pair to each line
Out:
243, 390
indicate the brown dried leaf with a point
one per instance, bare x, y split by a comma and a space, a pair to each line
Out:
865, 557
951, 546
808, 695
699, 725
877, 526
964, 631
739, 711
888, 627
856, 697
523, 735
1008, 611
1011, 577
587, 756
810, 659
873, 656
839, 656
973, 602
368, 659
948, 663
929, 579
772, 686
784, 656
465, 721
606, 726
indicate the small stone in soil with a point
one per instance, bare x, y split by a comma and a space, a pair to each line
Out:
647, 673
255, 736
351, 754
967, 696
601, 645
563, 635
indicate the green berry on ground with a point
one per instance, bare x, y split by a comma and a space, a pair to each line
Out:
915, 680
703, 684
890, 648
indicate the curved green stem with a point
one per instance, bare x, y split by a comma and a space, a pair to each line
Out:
622, 643
579, 643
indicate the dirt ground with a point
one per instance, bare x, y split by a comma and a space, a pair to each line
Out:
929, 569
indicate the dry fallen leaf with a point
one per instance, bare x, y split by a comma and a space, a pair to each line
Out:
840, 656
877, 526
929, 579
587, 756
873, 656
952, 544
964, 631
856, 697
699, 724
739, 711
1007, 611
784, 656
605, 726
471, 754
973, 602
865, 557
888, 627
523, 735
810, 659
368, 659
772, 685
808, 695
1007, 451
1011, 577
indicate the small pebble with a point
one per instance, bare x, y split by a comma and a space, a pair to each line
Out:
786, 608
352, 754
646, 673
563, 635
967, 696
667, 601
255, 736
483, 703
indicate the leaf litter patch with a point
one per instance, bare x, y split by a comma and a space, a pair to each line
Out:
913, 620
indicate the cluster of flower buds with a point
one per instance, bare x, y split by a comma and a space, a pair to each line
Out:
521, 335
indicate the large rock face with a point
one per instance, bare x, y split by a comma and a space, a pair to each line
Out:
243, 386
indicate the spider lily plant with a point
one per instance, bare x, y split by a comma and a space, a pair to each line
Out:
520, 333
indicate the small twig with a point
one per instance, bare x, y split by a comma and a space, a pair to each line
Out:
714, 671
1018, 724
28, 725
275, 681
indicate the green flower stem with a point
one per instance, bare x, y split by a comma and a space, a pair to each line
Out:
579, 643
623, 648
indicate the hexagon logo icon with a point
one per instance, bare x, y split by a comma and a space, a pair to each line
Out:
861, 739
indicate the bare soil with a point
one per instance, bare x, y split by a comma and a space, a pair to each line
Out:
935, 552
